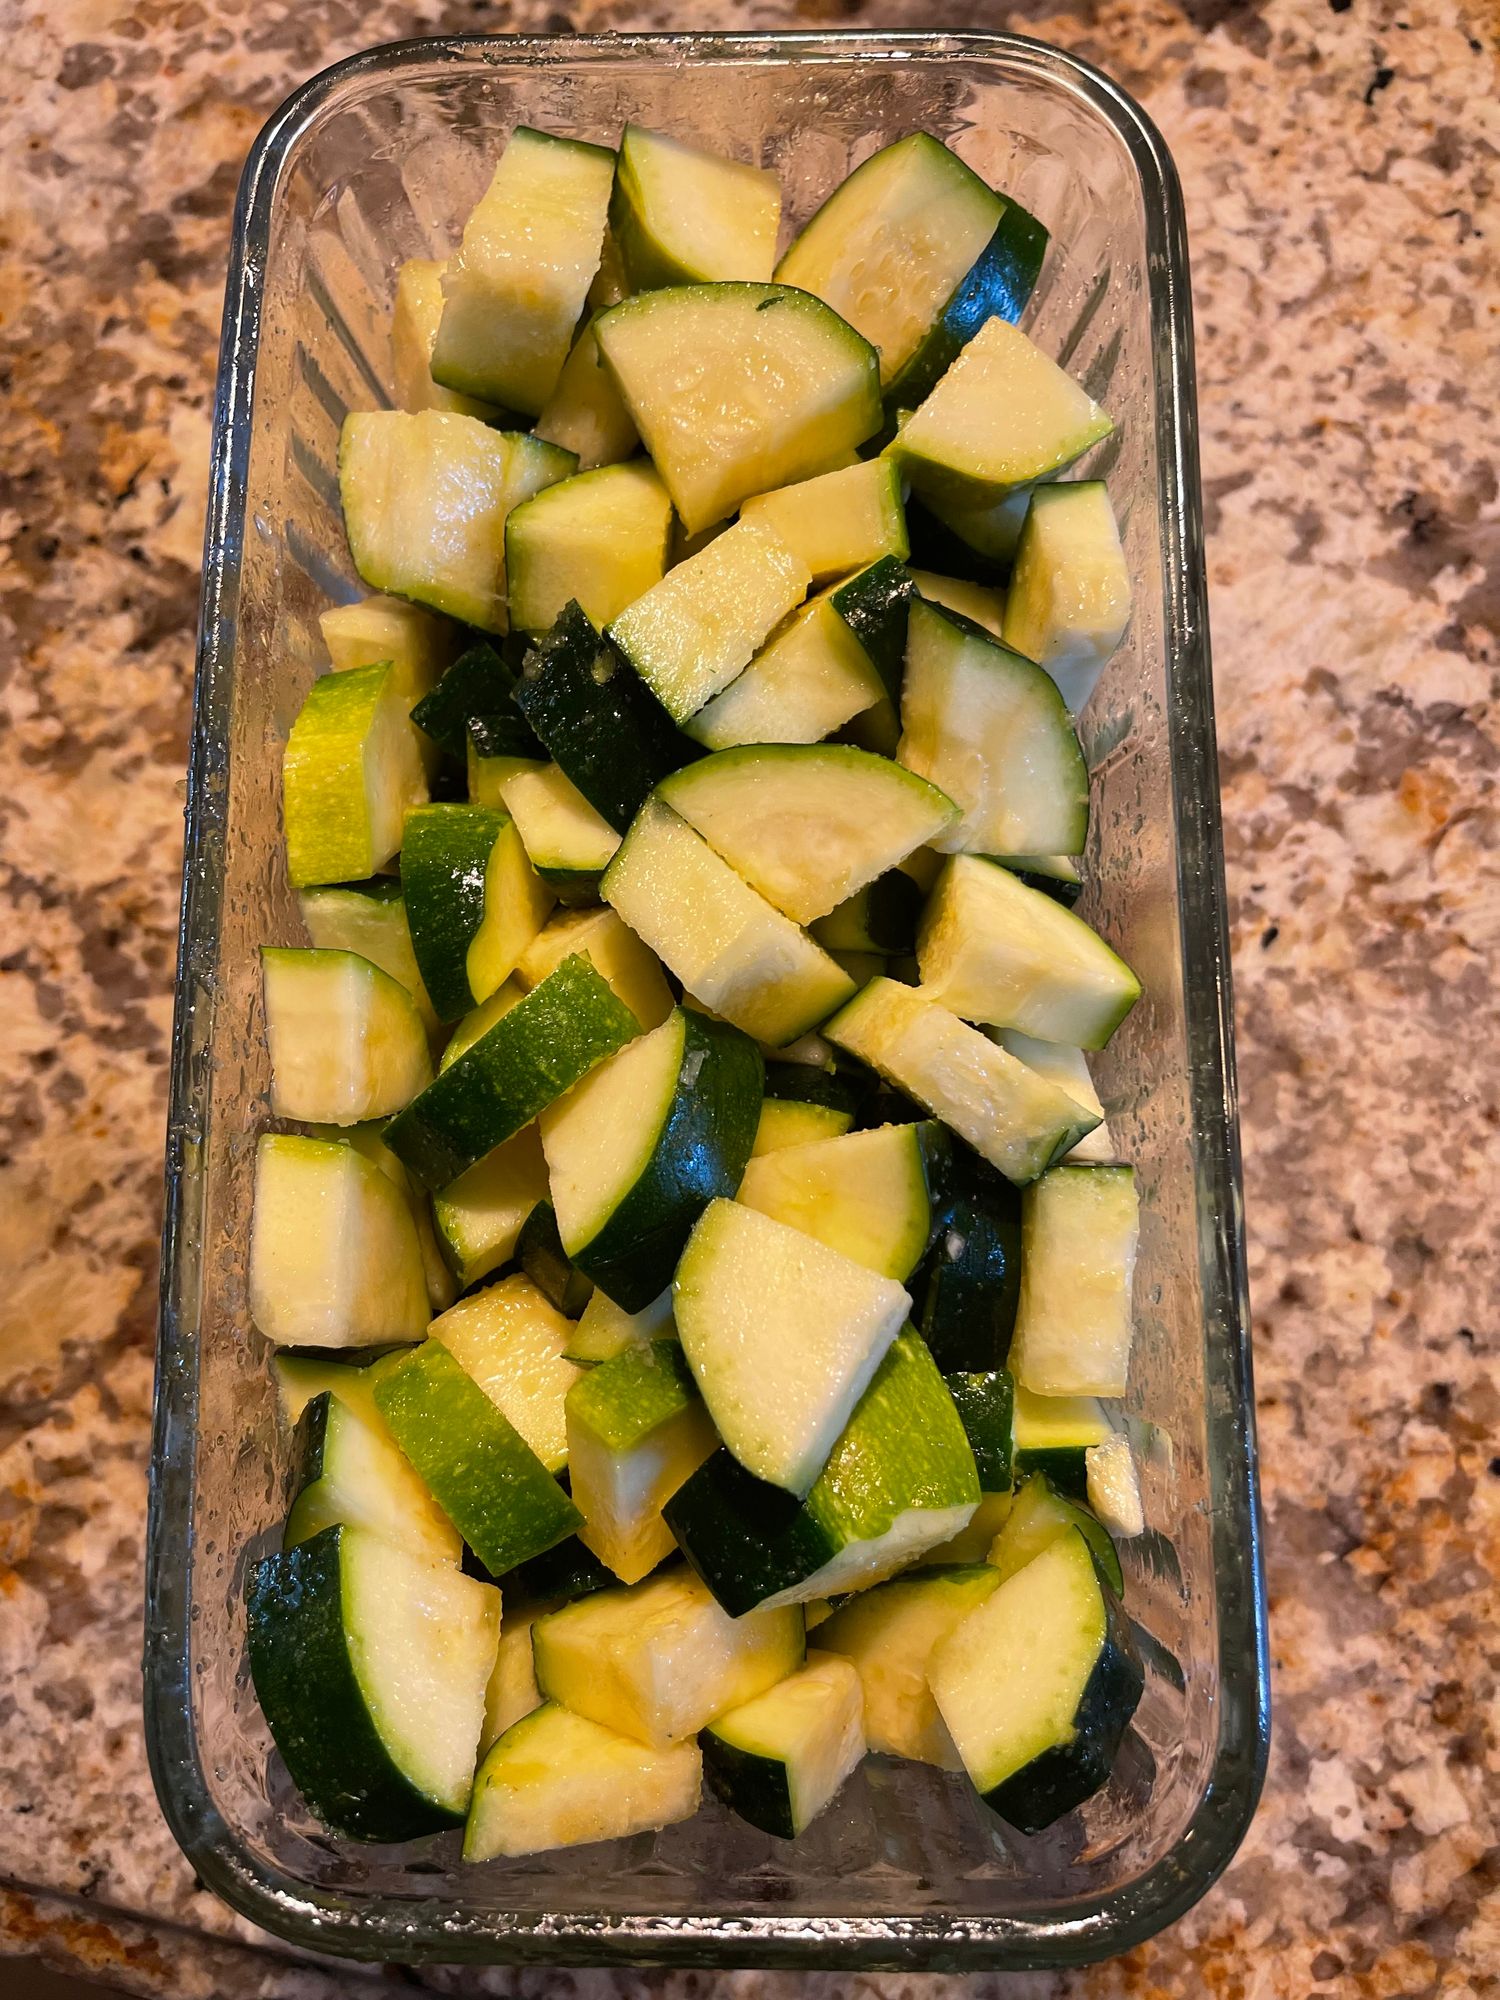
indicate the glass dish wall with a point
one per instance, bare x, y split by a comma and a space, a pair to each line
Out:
378, 161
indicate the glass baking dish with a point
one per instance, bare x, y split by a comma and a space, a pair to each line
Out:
378, 160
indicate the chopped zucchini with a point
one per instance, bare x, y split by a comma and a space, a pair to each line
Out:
414, 324
473, 1460
790, 1121
334, 1255
969, 1285
615, 953
368, 918
783, 1335
348, 1470
881, 917
1069, 597
1073, 1323
598, 539
639, 1148
351, 769
739, 388
779, 1758
514, 290
974, 601
985, 1400
1038, 1516
889, 1635
990, 729
690, 634
417, 643
474, 702
473, 901
510, 1340
585, 413
1069, 1069
1003, 415
542, 1257
512, 1690
974, 1540
1038, 1685
346, 1040
658, 1660
727, 945
810, 678
568, 843
870, 1195
1011, 1116
370, 1666
876, 606
1053, 1435
839, 521
479, 1216
555, 1779
682, 216
603, 1329
1114, 1487
807, 824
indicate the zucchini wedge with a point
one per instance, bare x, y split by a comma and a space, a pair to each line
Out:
351, 770
810, 678
780, 1758
1079, 1227
473, 901
872, 1195
510, 1340
839, 522
479, 1216
349, 1471
1069, 597
682, 216
346, 1040
585, 413
598, 539
615, 953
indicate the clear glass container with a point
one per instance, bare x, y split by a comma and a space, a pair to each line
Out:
376, 161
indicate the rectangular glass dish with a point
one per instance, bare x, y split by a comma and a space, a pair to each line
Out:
376, 161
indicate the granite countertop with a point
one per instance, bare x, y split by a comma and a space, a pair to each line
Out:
1339, 162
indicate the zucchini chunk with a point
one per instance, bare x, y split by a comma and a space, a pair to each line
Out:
991, 949
783, 1336
975, 1539
1011, 1116
644, 1143
876, 606
811, 677
510, 1339
1053, 1434
555, 1779
899, 1480
351, 769
473, 901
479, 1216
1038, 1515
975, 601
556, 1576
840, 521
660, 1659
739, 389
585, 413
1069, 1069
615, 953
778, 1759
879, 918
870, 1195
690, 634
334, 1255
807, 824
425, 498
603, 1329
549, 1267
1003, 415
512, 1690
543, 1045
1055, 875
369, 919
895, 242
1114, 1487
300, 1377
682, 216
370, 1666
802, 1104
1038, 1685
636, 1429
514, 290
598, 539
889, 1636
475, 1463
991, 730
346, 1040
1069, 597
742, 958
985, 1400
369, 1140
601, 722
568, 843
1079, 1227
349, 1471
415, 319
475, 700
418, 644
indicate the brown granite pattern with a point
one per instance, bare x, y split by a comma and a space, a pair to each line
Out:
1339, 158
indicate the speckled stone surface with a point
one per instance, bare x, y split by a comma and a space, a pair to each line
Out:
1339, 161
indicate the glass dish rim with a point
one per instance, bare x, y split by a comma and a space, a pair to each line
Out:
1089, 1928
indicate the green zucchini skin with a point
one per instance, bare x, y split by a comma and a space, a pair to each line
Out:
557, 1575
504, 735
479, 684
800, 1083
445, 852
1066, 893
970, 1285
935, 546
874, 605
1064, 1465
883, 1104
700, 1154
998, 286
986, 1403
557, 1034
1063, 1777
540, 1254
480, 1470
603, 726
756, 1788
306, 1685
882, 917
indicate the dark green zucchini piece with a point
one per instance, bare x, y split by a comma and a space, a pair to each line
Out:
540, 1254
998, 285
874, 605
480, 683
985, 1402
968, 1289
